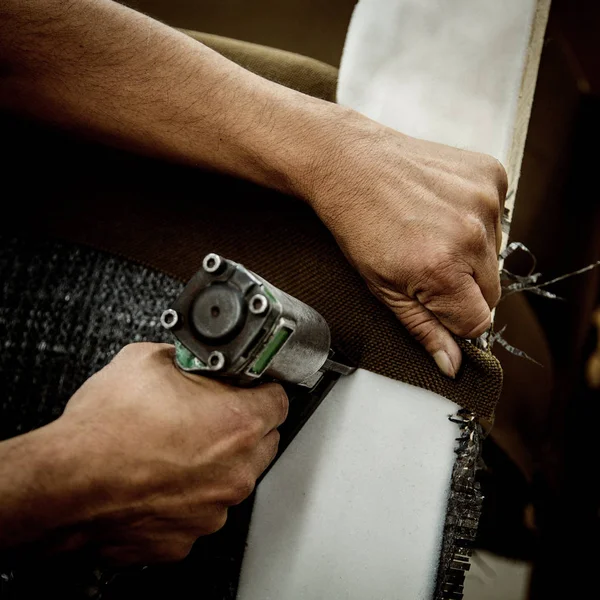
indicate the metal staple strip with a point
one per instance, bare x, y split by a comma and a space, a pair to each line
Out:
465, 504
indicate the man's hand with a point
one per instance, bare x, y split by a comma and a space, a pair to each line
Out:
421, 223
155, 458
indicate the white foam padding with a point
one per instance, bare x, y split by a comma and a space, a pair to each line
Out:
447, 71
355, 507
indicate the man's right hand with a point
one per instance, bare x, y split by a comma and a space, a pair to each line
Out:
160, 456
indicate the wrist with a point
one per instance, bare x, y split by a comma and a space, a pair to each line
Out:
288, 138
335, 157
323, 132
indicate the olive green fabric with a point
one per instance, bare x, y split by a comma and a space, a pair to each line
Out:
169, 217
300, 73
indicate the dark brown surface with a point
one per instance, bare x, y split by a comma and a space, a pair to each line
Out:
547, 416
557, 217
577, 23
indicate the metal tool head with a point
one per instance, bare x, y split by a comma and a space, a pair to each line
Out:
229, 322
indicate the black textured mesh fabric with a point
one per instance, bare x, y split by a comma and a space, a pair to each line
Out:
64, 312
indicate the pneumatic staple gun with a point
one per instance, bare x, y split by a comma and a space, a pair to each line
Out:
231, 324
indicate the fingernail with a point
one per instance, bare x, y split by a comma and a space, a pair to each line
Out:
442, 359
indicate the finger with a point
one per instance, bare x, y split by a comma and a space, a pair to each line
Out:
245, 476
502, 195
423, 325
269, 403
498, 224
266, 451
499, 232
462, 308
487, 277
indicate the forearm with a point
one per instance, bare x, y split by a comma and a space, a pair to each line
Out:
113, 74
40, 485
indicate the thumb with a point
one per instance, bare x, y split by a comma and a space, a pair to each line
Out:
425, 327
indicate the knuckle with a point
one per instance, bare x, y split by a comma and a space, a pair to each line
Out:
499, 173
280, 400
180, 552
275, 438
497, 293
251, 430
498, 180
235, 411
386, 269
247, 426
214, 523
241, 488
492, 202
474, 235
271, 446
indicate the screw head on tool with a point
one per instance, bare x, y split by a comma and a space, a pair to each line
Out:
213, 263
216, 361
169, 318
258, 304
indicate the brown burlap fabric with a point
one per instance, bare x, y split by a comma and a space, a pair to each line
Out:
169, 217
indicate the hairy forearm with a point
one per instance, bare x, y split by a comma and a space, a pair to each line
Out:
112, 74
